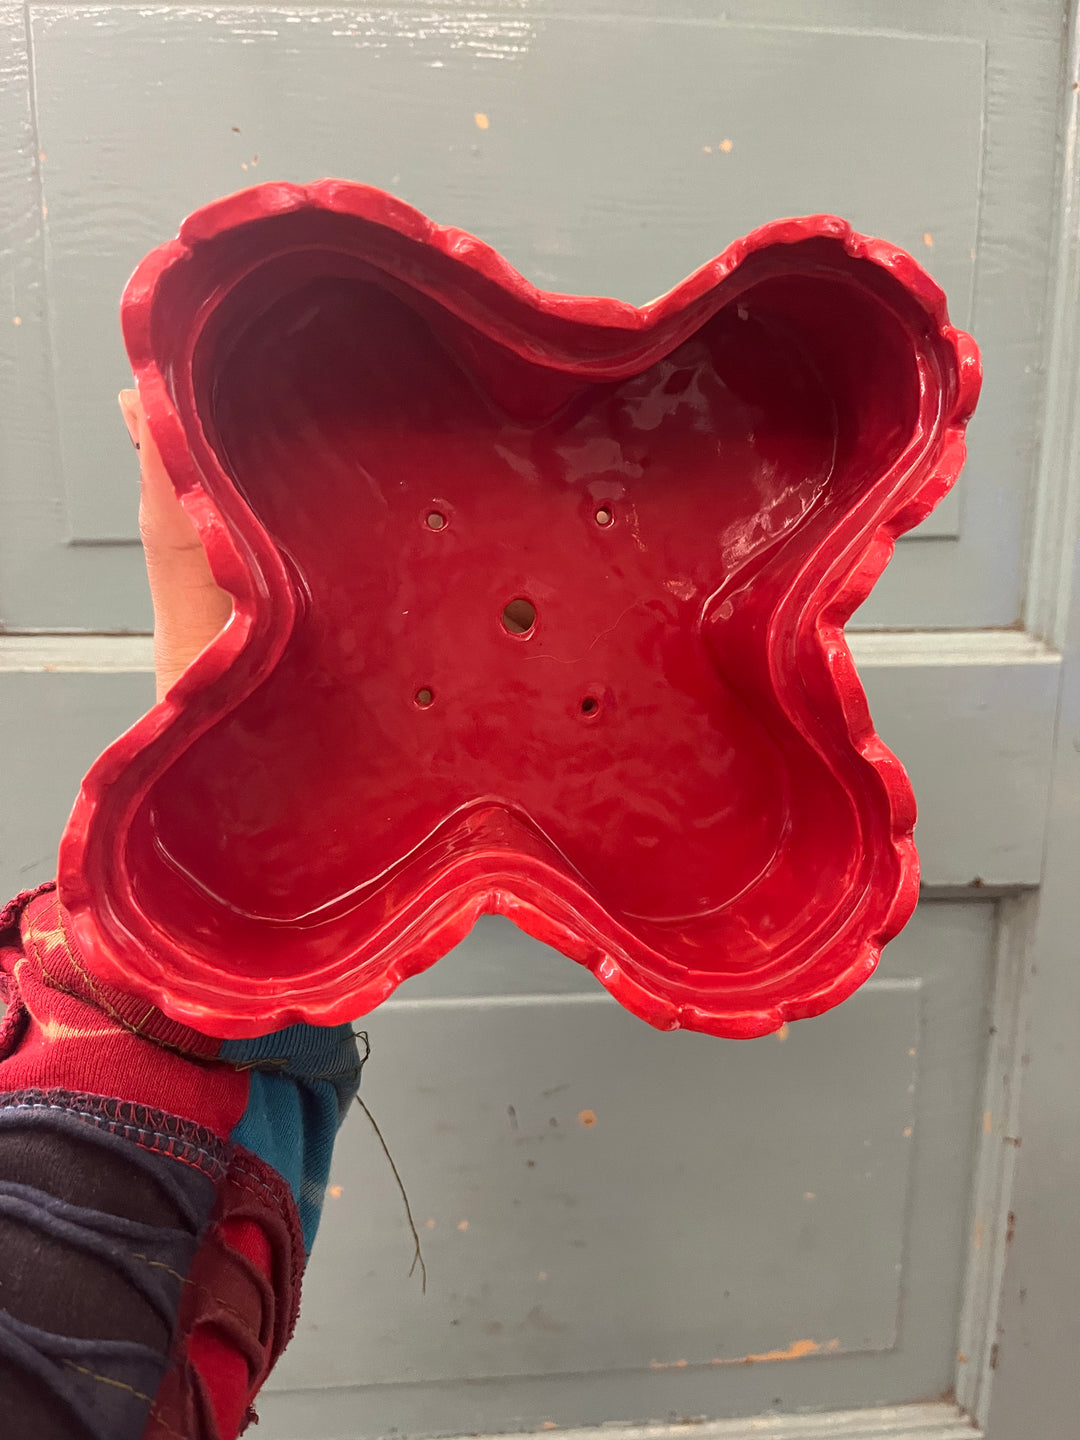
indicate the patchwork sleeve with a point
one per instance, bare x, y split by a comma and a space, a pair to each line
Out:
160, 1191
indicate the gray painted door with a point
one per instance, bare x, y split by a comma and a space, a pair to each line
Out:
618, 1226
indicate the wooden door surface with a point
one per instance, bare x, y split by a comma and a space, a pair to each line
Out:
618, 1225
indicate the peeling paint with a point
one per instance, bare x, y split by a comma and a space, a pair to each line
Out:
797, 1350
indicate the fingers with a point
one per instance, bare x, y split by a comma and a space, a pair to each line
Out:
189, 607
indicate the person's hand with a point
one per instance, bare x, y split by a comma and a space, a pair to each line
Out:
189, 608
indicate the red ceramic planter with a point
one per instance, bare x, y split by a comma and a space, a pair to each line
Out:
538, 610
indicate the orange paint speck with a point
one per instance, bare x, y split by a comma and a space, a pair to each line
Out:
782, 1033
706, 149
797, 1350
334, 1191
727, 146
463, 1225
587, 1118
482, 121
542, 1275
16, 319
988, 1121
908, 1132
928, 240
429, 1224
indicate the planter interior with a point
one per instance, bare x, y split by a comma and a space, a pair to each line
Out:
540, 608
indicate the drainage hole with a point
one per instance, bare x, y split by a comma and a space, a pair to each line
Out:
519, 616
436, 520
604, 516
590, 705
424, 698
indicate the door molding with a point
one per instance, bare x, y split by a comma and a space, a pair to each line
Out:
1031, 1317
894, 1422
992, 1220
969, 713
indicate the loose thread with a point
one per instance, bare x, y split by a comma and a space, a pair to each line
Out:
418, 1258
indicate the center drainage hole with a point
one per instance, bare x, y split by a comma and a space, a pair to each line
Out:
424, 698
604, 516
519, 616
590, 705
436, 520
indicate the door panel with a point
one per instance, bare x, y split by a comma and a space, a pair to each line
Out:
623, 1177
618, 198
608, 1212
604, 167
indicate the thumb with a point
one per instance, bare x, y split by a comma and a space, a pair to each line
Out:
190, 608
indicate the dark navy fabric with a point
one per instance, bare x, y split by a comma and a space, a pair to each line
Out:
90, 1296
105, 1386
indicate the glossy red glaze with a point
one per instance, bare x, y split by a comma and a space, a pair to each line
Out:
386, 436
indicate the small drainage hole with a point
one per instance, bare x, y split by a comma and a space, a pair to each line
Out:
590, 705
604, 516
519, 616
424, 698
436, 521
